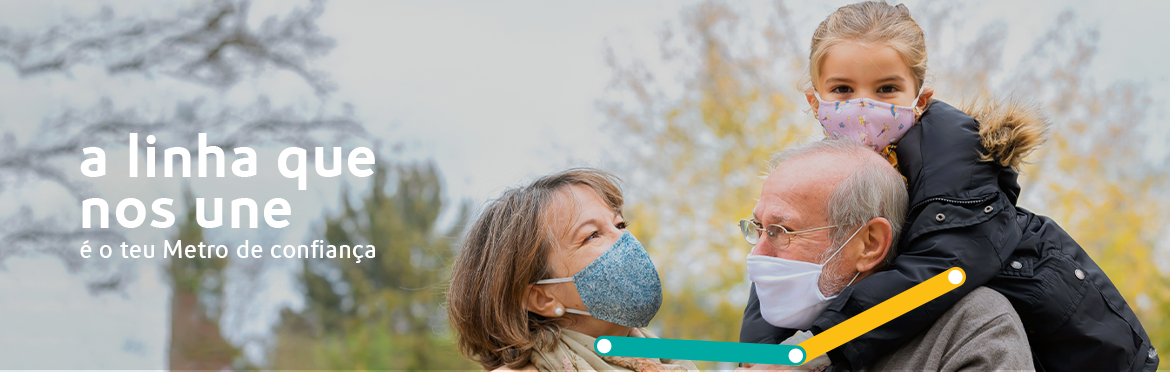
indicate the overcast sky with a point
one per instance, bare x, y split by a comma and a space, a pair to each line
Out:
495, 92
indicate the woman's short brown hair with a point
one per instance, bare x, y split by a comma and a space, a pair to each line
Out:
504, 251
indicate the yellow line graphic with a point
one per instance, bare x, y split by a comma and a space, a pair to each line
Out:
884, 312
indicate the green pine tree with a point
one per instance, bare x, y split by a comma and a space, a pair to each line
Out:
385, 312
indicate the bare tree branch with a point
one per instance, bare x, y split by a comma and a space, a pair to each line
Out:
210, 45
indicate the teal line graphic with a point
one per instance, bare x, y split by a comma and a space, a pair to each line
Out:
714, 351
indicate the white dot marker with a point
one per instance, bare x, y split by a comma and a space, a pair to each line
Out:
604, 346
955, 276
795, 355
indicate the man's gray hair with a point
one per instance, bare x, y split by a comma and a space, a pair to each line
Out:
872, 189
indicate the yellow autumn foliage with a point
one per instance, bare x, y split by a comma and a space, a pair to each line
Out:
701, 127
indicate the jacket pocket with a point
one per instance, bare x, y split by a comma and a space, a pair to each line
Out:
1071, 324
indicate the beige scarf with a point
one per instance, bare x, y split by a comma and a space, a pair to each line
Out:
574, 352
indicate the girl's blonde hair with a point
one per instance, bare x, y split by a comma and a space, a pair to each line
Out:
870, 22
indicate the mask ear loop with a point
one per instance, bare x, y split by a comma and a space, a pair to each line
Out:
918, 111
578, 312
815, 94
851, 280
838, 249
555, 281
567, 309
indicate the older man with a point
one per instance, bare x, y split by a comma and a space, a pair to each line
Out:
827, 217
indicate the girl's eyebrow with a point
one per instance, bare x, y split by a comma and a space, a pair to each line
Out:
891, 78
837, 80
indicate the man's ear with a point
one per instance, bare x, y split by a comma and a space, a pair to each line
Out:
877, 238
812, 101
539, 299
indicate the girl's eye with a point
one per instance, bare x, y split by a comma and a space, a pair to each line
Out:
888, 89
841, 89
622, 225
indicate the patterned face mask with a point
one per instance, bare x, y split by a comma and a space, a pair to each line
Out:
621, 286
873, 123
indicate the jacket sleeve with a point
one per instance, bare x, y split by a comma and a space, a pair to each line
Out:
970, 234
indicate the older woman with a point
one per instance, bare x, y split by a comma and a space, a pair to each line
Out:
546, 270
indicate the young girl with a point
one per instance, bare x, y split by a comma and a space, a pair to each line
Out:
867, 68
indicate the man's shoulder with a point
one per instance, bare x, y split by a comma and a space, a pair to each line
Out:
986, 300
977, 310
981, 332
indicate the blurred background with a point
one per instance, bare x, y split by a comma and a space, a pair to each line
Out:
460, 100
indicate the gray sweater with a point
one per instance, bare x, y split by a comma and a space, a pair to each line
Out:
980, 333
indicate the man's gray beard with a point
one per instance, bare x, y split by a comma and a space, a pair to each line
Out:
832, 284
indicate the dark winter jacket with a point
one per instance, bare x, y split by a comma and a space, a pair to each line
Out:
963, 191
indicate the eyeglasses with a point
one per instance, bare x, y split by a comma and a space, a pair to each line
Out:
778, 236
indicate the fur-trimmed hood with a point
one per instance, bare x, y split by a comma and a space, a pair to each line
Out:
1011, 129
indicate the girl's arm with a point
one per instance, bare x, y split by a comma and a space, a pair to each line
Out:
977, 249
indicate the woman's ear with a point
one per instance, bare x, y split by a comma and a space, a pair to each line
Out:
539, 299
878, 237
812, 101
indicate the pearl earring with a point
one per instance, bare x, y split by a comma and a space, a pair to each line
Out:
559, 311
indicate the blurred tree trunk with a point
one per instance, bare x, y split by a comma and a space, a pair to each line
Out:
196, 304
196, 343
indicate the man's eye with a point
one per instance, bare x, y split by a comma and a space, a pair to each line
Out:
888, 89
842, 89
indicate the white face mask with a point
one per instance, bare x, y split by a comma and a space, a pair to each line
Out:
788, 291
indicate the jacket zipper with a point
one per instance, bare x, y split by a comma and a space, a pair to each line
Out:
914, 209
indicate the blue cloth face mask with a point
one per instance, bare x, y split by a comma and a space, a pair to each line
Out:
621, 286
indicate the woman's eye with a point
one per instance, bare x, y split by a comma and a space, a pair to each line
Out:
622, 225
888, 89
591, 236
842, 89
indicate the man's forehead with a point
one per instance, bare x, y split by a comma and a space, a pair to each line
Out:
773, 210
811, 171
800, 185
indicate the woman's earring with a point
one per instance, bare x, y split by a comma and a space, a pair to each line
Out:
559, 311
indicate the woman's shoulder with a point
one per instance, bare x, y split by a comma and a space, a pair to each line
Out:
527, 368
